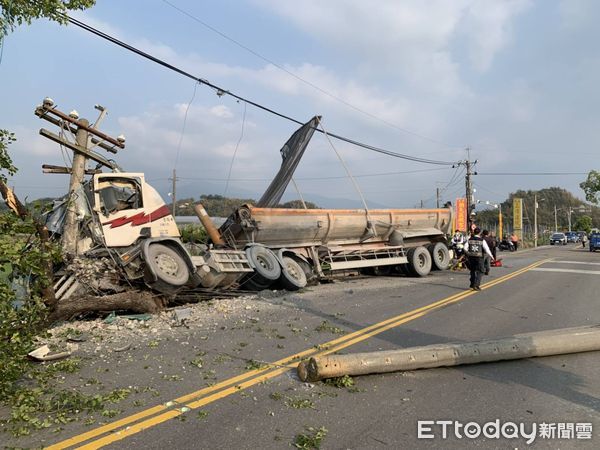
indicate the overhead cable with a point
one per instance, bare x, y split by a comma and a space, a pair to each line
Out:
220, 91
302, 80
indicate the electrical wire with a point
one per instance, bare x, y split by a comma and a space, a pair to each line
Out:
530, 173
297, 77
220, 91
236, 150
309, 178
183, 125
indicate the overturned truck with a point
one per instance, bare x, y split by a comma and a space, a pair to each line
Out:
127, 235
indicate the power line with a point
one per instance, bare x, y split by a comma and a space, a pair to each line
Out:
530, 173
310, 178
292, 74
220, 91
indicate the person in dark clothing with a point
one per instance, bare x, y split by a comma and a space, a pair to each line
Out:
491, 242
475, 249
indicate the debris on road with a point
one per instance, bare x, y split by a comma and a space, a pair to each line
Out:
44, 353
543, 343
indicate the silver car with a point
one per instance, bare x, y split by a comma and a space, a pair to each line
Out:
558, 238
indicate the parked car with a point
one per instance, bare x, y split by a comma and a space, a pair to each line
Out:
572, 236
558, 238
594, 242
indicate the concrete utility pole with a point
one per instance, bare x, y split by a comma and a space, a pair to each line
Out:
86, 138
535, 227
468, 182
71, 226
174, 193
541, 343
555, 220
437, 197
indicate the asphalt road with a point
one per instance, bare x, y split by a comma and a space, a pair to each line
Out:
270, 407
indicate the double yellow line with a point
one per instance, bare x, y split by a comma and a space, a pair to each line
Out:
148, 418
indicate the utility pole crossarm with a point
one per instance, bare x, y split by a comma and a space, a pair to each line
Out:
79, 149
42, 112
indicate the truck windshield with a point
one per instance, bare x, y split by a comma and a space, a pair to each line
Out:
117, 194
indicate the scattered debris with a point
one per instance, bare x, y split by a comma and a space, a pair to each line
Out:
44, 353
311, 440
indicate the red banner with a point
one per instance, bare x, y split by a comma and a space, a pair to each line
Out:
461, 215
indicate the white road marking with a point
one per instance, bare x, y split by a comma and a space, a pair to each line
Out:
577, 262
548, 269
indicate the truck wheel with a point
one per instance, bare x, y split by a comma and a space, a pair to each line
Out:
266, 268
168, 265
440, 256
292, 275
419, 262
252, 282
264, 262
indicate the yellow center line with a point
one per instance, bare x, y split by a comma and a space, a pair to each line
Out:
253, 377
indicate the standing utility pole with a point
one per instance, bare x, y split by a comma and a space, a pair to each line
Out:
535, 227
174, 193
468, 183
437, 197
555, 220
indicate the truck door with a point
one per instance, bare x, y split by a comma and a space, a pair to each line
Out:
120, 207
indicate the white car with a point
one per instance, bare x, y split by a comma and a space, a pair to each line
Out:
558, 238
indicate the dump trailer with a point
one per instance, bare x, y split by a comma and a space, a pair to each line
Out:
124, 233
325, 240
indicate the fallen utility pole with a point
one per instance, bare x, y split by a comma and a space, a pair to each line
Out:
543, 343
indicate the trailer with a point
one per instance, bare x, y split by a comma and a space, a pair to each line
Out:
127, 235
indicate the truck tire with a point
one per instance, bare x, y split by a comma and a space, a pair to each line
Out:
266, 268
419, 262
440, 256
168, 265
252, 282
292, 275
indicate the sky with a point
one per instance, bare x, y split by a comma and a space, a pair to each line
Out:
515, 81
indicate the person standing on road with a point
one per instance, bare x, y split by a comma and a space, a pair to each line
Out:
515, 240
584, 239
491, 243
475, 249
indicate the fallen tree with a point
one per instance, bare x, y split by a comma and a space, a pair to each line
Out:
136, 301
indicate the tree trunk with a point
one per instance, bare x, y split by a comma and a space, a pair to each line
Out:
136, 301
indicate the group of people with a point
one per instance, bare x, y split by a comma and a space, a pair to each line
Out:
480, 249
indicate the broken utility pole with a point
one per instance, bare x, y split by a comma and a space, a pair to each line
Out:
541, 343
86, 138
71, 227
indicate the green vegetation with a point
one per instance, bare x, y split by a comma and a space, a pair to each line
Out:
591, 187
310, 440
547, 199
194, 234
219, 206
583, 223
325, 326
340, 382
18, 12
